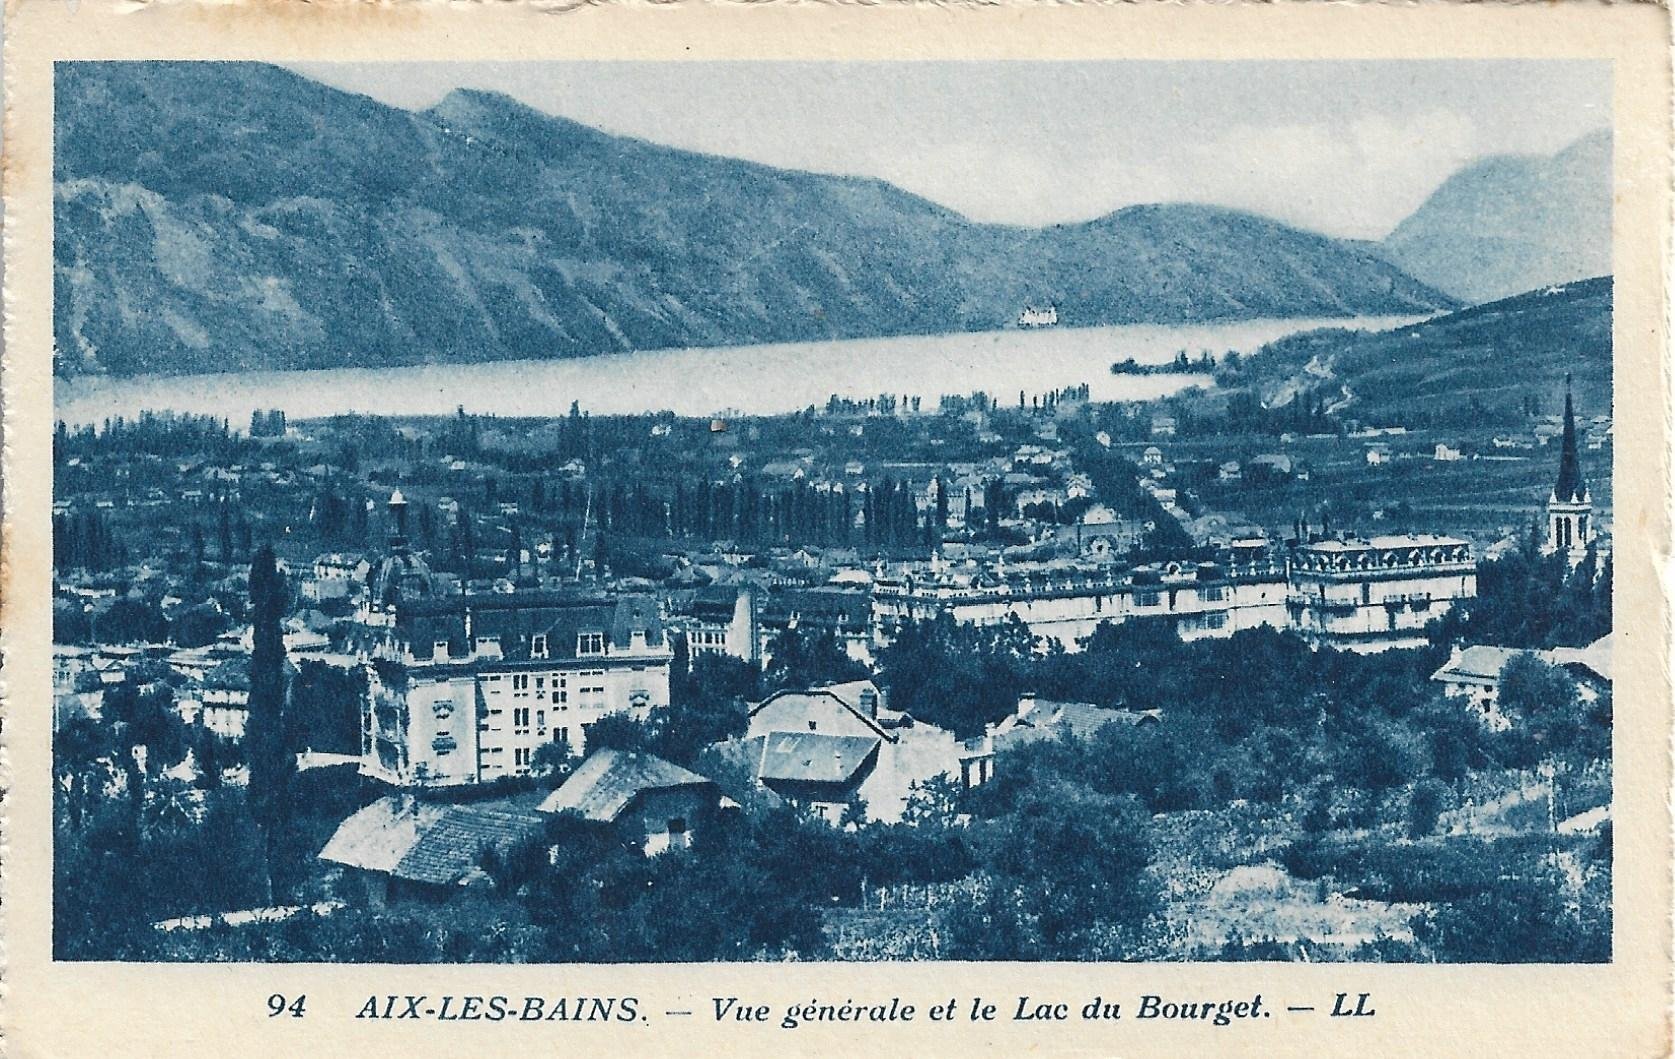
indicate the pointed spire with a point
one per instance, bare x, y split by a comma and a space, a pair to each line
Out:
1570, 486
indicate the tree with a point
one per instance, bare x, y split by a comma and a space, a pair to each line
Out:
78, 748
932, 803
268, 739
1045, 895
197, 625
1535, 690
706, 706
1523, 919
802, 657
553, 762
620, 731
1429, 798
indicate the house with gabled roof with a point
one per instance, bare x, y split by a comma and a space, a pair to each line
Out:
819, 771
1037, 719
400, 846
650, 802
826, 746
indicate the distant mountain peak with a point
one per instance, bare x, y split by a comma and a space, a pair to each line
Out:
1511, 223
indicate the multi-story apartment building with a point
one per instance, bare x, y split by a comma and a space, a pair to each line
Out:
1378, 593
1353, 593
718, 619
466, 688
1067, 600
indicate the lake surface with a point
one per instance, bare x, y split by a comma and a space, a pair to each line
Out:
751, 380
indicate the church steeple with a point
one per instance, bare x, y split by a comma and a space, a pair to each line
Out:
1570, 487
1569, 510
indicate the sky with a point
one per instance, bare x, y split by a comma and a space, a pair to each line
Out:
1343, 148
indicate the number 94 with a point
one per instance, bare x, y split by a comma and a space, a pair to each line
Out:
279, 1004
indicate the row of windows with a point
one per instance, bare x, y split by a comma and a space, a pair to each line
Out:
587, 644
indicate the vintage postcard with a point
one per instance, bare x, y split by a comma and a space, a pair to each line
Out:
793, 530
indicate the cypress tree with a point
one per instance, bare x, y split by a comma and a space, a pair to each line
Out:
267, 735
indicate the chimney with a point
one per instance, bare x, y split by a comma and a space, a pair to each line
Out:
1026, 704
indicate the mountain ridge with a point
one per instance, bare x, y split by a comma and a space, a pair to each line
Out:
1483, 364
230, 216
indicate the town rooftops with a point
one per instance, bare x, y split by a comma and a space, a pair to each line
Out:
814, 757
1389, 540
609, 780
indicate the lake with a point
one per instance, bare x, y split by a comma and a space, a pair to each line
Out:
752, 380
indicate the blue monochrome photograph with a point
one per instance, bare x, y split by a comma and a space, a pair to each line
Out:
671, 512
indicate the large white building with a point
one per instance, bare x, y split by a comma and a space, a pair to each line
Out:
1067, 600
1380, 592
466, 688
1361, 594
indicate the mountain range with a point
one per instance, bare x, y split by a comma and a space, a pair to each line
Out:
1510, 223
233, 216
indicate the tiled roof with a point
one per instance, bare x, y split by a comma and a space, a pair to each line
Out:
1596, 657
426, 842
379, 835
517, 617
454, 845
814, 757
715, 603
604, 785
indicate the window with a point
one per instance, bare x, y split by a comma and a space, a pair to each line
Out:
538, 646
1216, 619
520, 682
520, 757
590, 643
561, 696
1213, 593
541, 719
520, 717
1146, 599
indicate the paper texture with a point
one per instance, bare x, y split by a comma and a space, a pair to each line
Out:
55, 1008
